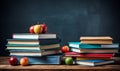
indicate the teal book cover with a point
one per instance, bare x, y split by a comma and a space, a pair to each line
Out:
79, 45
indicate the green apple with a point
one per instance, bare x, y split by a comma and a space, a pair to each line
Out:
38, 29
68, 61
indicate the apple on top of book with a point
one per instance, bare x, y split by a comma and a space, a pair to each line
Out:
38, 28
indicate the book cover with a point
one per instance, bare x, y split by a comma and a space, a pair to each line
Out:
96, 42
43, 53
94, 38
93, 58
94, 62
42, 60
31, 50
32, 46
100, 55
94, 50
33, 36
79, 45
34, 41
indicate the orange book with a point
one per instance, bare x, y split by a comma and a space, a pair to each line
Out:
108, 38
96, 42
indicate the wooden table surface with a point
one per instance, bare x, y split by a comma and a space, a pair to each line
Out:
4, 65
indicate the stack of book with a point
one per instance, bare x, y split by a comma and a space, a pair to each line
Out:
39, 48
93, 50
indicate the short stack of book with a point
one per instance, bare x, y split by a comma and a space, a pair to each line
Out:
92, 50
39, 48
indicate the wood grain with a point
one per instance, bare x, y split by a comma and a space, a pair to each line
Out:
4, 65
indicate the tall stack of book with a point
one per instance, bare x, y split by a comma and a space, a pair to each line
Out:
91, 50
39, 48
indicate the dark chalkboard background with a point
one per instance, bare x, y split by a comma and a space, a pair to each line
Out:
69, 19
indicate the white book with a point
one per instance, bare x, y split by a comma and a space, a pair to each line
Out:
34, 53
33, 36
94, 62
115, 45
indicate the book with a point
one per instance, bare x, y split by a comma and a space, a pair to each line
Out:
79, 45
32, 50
93, 58
94, 50
114, 45
54, 59
89, 55
94, 62
32, 46
96, 42
94, 38
43, 53
34, 41
33, 36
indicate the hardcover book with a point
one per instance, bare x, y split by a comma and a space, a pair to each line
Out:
31, 50
32, 46
93, 58
94, 62
33, 36
89, 55
42, 60
96, 42
34, 41
43, 53
94, 50
79, 45
94, 38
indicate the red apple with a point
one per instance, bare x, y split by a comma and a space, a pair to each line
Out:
44, 28
31, 29
38, 29
24, 61
13, 61
65, 49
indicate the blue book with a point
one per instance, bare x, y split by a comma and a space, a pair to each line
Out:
94, 62
79, 45
42, 60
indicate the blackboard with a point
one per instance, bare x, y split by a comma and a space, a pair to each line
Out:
69, 19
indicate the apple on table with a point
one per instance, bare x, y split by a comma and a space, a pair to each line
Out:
24, 61
13, 61
69, 61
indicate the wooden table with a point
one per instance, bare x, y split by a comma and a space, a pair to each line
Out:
4, 65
